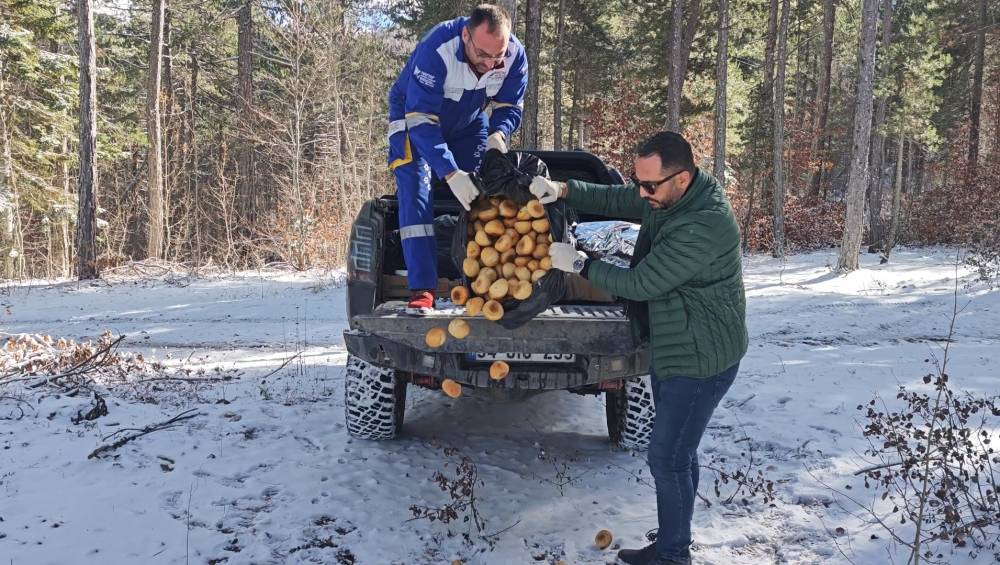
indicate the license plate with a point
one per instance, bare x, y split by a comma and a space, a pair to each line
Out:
523, 357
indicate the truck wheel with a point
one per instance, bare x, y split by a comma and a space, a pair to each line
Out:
630, 413
374, 400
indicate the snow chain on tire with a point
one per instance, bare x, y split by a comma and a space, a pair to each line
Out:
374, 400
630, 412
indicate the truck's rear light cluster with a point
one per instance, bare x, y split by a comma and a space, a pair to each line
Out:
361, 256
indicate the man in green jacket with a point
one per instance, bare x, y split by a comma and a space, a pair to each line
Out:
686, 299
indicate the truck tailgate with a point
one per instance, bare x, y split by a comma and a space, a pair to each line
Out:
599, 329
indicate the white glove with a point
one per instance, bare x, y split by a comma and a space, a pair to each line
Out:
463, 188
545, 191
496, 141
565, 257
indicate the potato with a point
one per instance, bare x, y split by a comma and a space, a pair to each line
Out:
490, 256
508, 256
522, 227
541, 250
459, 295
499, 289
504, 243
494, 228
489, 273
508, 209
540, 225
474, 306
545, 263
512, 233
492, 310
523, 214
499, 370
523, 273
488, 214
451, 388
536, 209
479, 225
533, 265
507, 270
435, 337
470, 267
523, 290
541, 238
458, 328
509, 222
526, 245
482, 239
535, 275
521, 261
472, 250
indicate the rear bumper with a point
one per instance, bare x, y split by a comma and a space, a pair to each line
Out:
588, 369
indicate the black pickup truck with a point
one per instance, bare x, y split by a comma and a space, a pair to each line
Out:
580, 347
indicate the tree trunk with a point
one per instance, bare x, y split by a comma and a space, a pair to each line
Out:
897, 191
858, 177
532, 46
681, 34
154, 160
557, 81
875, 226
573, 113
977, 90
248, 201
769, 41
8, 199
511, 7
194, 187
818, 142
86, 222
779, 136
721, 76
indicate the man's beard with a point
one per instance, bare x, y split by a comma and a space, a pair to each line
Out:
653, 203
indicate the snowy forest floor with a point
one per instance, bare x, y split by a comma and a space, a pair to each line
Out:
262, 470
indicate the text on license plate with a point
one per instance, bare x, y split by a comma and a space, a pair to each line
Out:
524, 357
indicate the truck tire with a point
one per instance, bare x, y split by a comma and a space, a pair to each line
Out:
374, 400
630, 411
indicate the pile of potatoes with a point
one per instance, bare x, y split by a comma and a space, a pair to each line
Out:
508, 251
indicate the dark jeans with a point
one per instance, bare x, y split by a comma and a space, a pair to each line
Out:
684, 405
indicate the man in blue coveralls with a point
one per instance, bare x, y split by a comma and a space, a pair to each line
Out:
438, 124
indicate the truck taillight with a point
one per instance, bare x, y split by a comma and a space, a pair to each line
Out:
361, 258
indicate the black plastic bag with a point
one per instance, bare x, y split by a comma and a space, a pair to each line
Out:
508, 175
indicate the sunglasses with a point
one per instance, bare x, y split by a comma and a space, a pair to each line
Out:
650, 186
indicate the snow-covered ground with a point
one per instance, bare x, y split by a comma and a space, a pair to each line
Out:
266, 473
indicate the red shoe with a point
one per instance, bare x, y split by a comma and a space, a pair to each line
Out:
421, 299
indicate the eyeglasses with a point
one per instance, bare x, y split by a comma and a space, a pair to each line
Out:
650, 186
482, 54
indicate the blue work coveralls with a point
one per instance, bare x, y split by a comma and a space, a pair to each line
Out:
438, 124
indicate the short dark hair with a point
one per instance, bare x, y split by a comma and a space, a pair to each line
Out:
492, 15
673, 149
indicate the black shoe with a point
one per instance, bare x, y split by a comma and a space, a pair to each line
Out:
644, 556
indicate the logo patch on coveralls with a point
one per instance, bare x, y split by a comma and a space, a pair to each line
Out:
425, 79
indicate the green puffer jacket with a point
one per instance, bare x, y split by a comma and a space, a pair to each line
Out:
686, 270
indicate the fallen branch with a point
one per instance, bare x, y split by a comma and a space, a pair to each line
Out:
283, 365
171, 423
